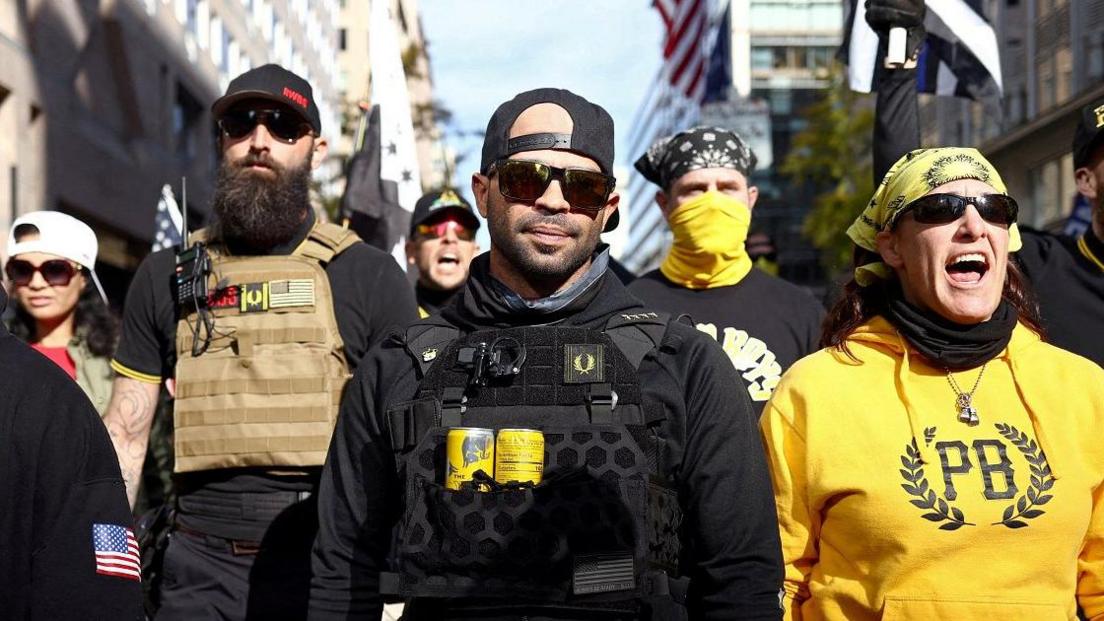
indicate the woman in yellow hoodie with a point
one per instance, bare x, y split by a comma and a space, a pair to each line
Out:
938, 460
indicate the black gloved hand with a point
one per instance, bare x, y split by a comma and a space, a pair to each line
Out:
908, 14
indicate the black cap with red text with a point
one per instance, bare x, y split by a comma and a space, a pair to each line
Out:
274, 83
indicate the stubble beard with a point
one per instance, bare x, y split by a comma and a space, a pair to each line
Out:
258, 211
544, 270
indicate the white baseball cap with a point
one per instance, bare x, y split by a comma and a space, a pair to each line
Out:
61, 235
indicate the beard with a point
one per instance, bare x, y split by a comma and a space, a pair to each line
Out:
258, 211
546, 267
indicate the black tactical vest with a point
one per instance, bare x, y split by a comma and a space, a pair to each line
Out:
599, 532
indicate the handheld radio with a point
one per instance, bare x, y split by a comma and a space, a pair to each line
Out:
192, 263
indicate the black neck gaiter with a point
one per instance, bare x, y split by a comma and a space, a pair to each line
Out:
433, 300
952, 345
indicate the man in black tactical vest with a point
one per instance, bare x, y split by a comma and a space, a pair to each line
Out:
260, 323
654, 501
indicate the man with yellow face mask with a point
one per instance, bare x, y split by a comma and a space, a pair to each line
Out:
763, 323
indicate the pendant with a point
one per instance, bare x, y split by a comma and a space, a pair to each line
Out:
967, 413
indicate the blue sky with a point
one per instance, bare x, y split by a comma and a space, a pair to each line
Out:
483, 52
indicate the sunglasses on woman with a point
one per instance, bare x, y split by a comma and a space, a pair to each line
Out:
522, 180
438, 230
284, 125
56, 272
946, 208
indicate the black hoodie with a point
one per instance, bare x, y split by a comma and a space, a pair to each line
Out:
59, 478
719, 466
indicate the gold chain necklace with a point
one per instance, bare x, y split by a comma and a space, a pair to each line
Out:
967, 413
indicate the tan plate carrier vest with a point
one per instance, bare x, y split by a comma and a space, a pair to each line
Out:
266, 390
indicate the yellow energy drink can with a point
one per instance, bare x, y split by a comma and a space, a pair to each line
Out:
468, 449
519, 456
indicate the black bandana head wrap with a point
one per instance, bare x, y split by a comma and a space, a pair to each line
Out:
700, 147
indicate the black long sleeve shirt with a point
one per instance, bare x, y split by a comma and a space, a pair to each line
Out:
59, 480
718, 466
1067, 277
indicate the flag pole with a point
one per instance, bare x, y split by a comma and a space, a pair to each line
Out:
365, 110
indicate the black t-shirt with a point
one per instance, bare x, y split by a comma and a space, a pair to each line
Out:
63, 498
371, 297
1067, 276
764, 324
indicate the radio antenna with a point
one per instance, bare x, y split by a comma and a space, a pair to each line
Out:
184, 211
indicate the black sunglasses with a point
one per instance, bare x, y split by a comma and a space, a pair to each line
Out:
56, 272
945, 208
523, 180
284, 125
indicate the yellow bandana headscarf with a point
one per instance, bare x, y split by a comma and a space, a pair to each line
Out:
914, 175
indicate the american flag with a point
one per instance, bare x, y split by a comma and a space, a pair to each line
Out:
686, 25
285, 293
116, 551
168, 221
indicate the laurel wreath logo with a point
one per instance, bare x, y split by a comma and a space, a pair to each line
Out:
939, 510
1042, 480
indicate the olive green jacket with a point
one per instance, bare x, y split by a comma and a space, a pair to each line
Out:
94, 373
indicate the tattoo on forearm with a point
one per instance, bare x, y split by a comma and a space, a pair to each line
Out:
128, 420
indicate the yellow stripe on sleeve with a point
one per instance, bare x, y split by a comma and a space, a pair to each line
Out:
132, 374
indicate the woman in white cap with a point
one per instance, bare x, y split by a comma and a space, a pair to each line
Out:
60, 307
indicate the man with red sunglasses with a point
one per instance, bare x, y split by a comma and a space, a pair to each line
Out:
260, 328
653, 499
441, 246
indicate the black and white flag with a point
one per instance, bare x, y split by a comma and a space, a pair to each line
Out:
168, 223
960, 56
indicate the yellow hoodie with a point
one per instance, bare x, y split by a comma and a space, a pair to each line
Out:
890, 508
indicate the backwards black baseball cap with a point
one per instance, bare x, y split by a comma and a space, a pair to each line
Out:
447, 200
1090, 131
591, 132
274, 83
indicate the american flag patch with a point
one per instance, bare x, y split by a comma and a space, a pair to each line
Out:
284, 293
116, 551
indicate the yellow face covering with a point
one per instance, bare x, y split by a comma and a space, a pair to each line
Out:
708, 249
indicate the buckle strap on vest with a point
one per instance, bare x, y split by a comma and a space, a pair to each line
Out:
452, 400
600, 402
408, 422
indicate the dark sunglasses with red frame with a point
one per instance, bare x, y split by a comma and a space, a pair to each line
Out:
56, 272
437, 230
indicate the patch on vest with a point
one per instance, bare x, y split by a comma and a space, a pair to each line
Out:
603, 573
227, 297
262, 296
584, 364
